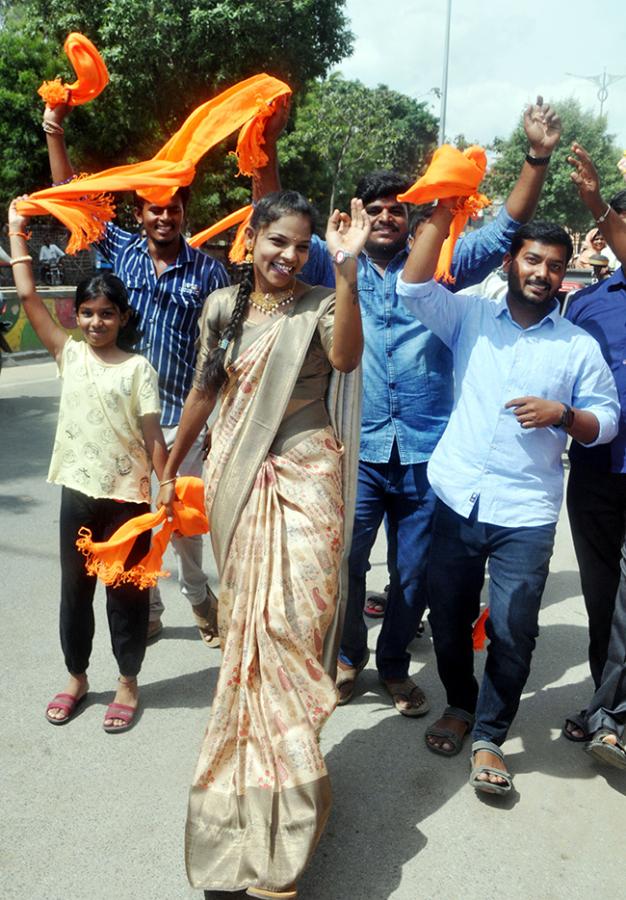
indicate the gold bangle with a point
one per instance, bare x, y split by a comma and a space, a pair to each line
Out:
19, 259
168, 481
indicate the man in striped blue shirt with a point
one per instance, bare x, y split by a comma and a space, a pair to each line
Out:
168, 282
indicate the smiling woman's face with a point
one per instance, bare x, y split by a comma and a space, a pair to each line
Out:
280, 250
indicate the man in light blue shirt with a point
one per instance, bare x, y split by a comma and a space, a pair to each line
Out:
524, 379
407, 398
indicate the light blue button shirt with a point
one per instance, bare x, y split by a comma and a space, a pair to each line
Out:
514, 474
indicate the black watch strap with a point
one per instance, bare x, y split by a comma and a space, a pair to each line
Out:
567, 417
537, 160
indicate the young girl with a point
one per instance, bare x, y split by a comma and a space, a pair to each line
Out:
107, 433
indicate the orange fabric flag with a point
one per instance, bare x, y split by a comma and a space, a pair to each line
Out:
213, 121
107, 559
451, 173
84, 206
479, 635
92, 75
240, 215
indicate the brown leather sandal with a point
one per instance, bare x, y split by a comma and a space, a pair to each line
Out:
205, 614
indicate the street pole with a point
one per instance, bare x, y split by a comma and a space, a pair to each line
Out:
444, 80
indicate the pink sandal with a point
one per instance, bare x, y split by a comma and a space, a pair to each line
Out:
119, 711
67, 702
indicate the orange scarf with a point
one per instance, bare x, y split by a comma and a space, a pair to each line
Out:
90, 69
107, 559
451, 173
84, 206
235, 218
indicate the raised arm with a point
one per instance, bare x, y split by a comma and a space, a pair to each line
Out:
60, 165
586, 179
267, 179
51, 335
345, 239
543, 130
422, 261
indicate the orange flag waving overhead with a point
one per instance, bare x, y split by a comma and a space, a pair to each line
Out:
451, 173
215, 120
91, 72
84, 205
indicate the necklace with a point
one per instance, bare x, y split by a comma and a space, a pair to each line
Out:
270, 303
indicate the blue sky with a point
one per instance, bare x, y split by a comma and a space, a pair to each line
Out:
501, 56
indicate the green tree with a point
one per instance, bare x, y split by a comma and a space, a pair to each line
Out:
343, 130
164, 58
24, 62
559, 200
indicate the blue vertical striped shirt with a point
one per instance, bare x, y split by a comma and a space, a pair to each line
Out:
168, 306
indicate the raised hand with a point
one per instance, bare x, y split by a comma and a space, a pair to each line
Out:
584, 174
53, 117
543, 128
17, 222
276, 122
348, 232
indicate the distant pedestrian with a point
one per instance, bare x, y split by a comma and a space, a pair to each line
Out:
107, 435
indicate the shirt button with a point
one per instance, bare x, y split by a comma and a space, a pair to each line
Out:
473, 498
392, 385
389, 354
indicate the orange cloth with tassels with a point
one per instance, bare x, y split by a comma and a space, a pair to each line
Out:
85, 206
235, 218
451, 173
92, 76
107, 559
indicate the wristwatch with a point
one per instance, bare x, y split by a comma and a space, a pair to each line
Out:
341, 256
567, 417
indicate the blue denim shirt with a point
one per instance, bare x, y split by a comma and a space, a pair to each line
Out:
407, 370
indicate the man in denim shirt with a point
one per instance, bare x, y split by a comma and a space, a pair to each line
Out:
406, 405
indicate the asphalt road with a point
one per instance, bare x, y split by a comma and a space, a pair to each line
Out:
92, 816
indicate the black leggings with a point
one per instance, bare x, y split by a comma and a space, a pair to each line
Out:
127, 606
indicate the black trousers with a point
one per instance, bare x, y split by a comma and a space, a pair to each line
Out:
596, 503
608, 705
127, 606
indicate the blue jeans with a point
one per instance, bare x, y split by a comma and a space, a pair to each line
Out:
403, 493
518, 561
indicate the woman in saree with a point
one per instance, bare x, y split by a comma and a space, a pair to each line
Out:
279, 488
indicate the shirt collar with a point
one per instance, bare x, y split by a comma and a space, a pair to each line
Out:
185, 254
502, 308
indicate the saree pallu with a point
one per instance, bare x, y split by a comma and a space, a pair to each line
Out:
261, 794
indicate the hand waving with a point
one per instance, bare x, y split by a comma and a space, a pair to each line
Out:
348, 232
584, 173
543, 128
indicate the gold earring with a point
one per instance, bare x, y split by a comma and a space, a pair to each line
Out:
248, 257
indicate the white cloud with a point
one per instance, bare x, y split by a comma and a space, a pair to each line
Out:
500, 59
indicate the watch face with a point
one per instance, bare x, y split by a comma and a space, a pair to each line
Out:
340, 257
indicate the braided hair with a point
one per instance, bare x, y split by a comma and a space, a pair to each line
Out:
271, 208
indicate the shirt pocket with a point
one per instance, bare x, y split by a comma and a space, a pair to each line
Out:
367, 301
